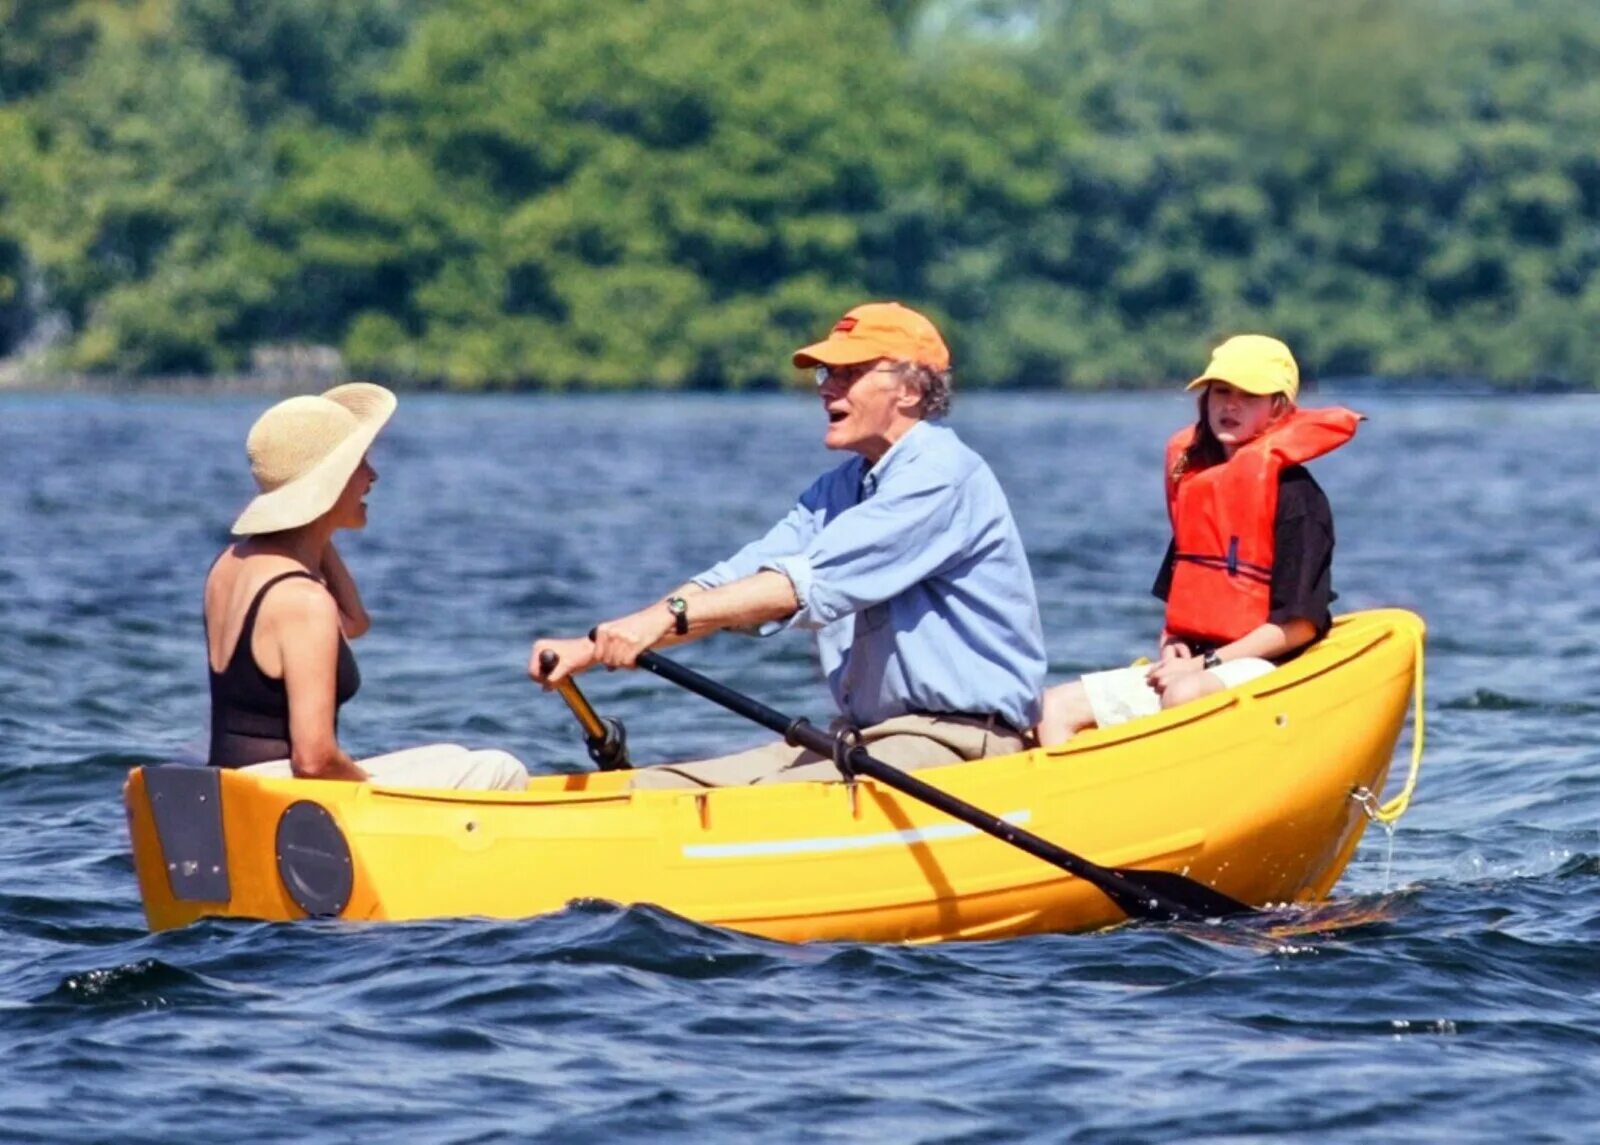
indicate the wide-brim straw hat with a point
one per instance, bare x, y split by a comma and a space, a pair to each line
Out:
303, 450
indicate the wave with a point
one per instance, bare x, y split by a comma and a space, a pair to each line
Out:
1488, 700
145, 984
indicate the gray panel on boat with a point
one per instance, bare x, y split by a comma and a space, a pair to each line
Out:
314, 859
186, 803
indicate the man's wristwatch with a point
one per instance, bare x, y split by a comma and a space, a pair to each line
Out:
680, 614
1212, 660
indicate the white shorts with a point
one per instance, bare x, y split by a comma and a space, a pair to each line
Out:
443, 765
1124, 694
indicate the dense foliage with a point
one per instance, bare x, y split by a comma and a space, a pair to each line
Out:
618, 192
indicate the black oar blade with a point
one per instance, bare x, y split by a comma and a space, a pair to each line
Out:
1194, 900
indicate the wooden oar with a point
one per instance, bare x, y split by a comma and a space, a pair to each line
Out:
606, 739
1160, 895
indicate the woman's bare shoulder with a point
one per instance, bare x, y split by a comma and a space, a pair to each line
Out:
299, 601
237, 577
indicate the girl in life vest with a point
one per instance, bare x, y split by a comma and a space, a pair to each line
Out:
1247, 576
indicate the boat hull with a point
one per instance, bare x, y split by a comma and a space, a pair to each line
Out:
1255, 791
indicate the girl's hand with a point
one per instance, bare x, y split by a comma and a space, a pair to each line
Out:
1164, 673
1175, 650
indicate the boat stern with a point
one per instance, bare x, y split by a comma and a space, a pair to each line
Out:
208, 841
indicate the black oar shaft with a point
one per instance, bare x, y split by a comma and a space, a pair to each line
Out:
737, 702
1133, 898
1131, 891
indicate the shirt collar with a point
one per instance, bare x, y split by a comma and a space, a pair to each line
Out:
910, 444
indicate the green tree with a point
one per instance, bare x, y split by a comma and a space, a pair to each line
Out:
596, 193
139, 174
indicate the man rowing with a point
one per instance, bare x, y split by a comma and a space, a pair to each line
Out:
904, 561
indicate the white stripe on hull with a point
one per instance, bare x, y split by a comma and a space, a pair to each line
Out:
937, 833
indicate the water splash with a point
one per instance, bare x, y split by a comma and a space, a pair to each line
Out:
1388, 827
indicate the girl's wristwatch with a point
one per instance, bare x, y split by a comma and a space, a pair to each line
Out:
1212, 660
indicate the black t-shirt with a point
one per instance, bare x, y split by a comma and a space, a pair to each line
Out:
1302, 554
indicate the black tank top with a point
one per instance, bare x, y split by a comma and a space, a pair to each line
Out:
249, 709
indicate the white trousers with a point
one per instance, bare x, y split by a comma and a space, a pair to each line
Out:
1124, 694
440, 765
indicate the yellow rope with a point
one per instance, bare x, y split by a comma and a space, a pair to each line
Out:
1396, 807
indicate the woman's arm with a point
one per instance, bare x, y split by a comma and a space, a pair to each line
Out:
353, 618
305, 626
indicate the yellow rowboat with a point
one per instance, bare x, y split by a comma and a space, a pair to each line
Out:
1262, 792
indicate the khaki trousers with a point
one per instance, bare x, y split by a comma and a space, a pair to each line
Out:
906, 742
439, 765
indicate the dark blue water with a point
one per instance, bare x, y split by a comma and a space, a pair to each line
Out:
1468, 1009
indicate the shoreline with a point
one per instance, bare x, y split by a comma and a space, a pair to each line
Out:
271, 385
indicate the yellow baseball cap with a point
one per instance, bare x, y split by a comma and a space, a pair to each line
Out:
878, 330
1254, 363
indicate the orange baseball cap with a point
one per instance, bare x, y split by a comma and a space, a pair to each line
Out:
878, 330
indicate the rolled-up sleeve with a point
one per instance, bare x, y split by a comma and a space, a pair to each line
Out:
788, 536
876, 551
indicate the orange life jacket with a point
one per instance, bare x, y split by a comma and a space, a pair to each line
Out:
1223, 519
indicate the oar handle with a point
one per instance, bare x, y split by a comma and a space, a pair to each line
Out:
1134, 893
576, 700
606, 739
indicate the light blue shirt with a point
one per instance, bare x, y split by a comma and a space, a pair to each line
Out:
913, 576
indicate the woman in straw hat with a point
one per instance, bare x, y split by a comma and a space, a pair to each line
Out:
1247, 578
280, 607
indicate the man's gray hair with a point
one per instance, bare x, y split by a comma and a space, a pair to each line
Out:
936, 386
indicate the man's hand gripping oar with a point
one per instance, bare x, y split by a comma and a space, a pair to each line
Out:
604, 736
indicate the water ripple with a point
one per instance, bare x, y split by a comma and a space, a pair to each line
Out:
1448, 992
